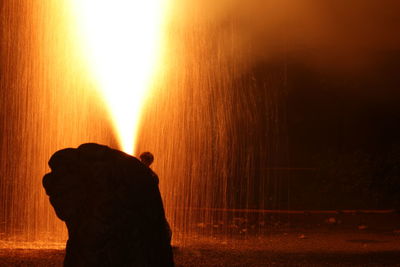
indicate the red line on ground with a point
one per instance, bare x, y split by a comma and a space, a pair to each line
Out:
295, 211
290, 169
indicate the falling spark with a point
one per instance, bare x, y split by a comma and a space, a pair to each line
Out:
121, 41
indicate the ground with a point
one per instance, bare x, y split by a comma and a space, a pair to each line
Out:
308, 248
332, 240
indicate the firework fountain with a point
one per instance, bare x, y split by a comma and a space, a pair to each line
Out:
156, 76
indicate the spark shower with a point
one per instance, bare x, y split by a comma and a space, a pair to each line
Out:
121, 41
209, 123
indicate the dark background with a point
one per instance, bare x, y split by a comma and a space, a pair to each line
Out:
335, 140
322, 91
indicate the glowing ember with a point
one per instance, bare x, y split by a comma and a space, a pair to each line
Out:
120, 40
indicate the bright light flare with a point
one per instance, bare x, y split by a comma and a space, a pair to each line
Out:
121, 41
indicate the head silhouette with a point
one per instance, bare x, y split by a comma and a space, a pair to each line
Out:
146, 158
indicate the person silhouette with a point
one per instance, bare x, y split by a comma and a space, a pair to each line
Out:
147, 158
112, 207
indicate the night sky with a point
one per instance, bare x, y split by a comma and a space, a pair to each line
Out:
333, 66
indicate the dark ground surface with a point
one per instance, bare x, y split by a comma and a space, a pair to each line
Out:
320, 242
285, 249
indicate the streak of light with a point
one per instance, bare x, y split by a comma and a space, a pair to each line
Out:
121, 42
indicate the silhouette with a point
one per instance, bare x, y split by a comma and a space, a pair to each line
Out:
147, 159
112, 208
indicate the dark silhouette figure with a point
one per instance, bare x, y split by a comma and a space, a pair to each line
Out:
147, 159
112, 207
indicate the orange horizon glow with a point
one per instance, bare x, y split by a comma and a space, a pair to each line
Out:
121, 43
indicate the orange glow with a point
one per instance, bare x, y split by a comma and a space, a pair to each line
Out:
121, 42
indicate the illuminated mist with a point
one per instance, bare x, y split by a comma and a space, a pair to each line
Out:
121, 41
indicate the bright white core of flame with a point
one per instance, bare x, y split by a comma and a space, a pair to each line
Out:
121, 42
